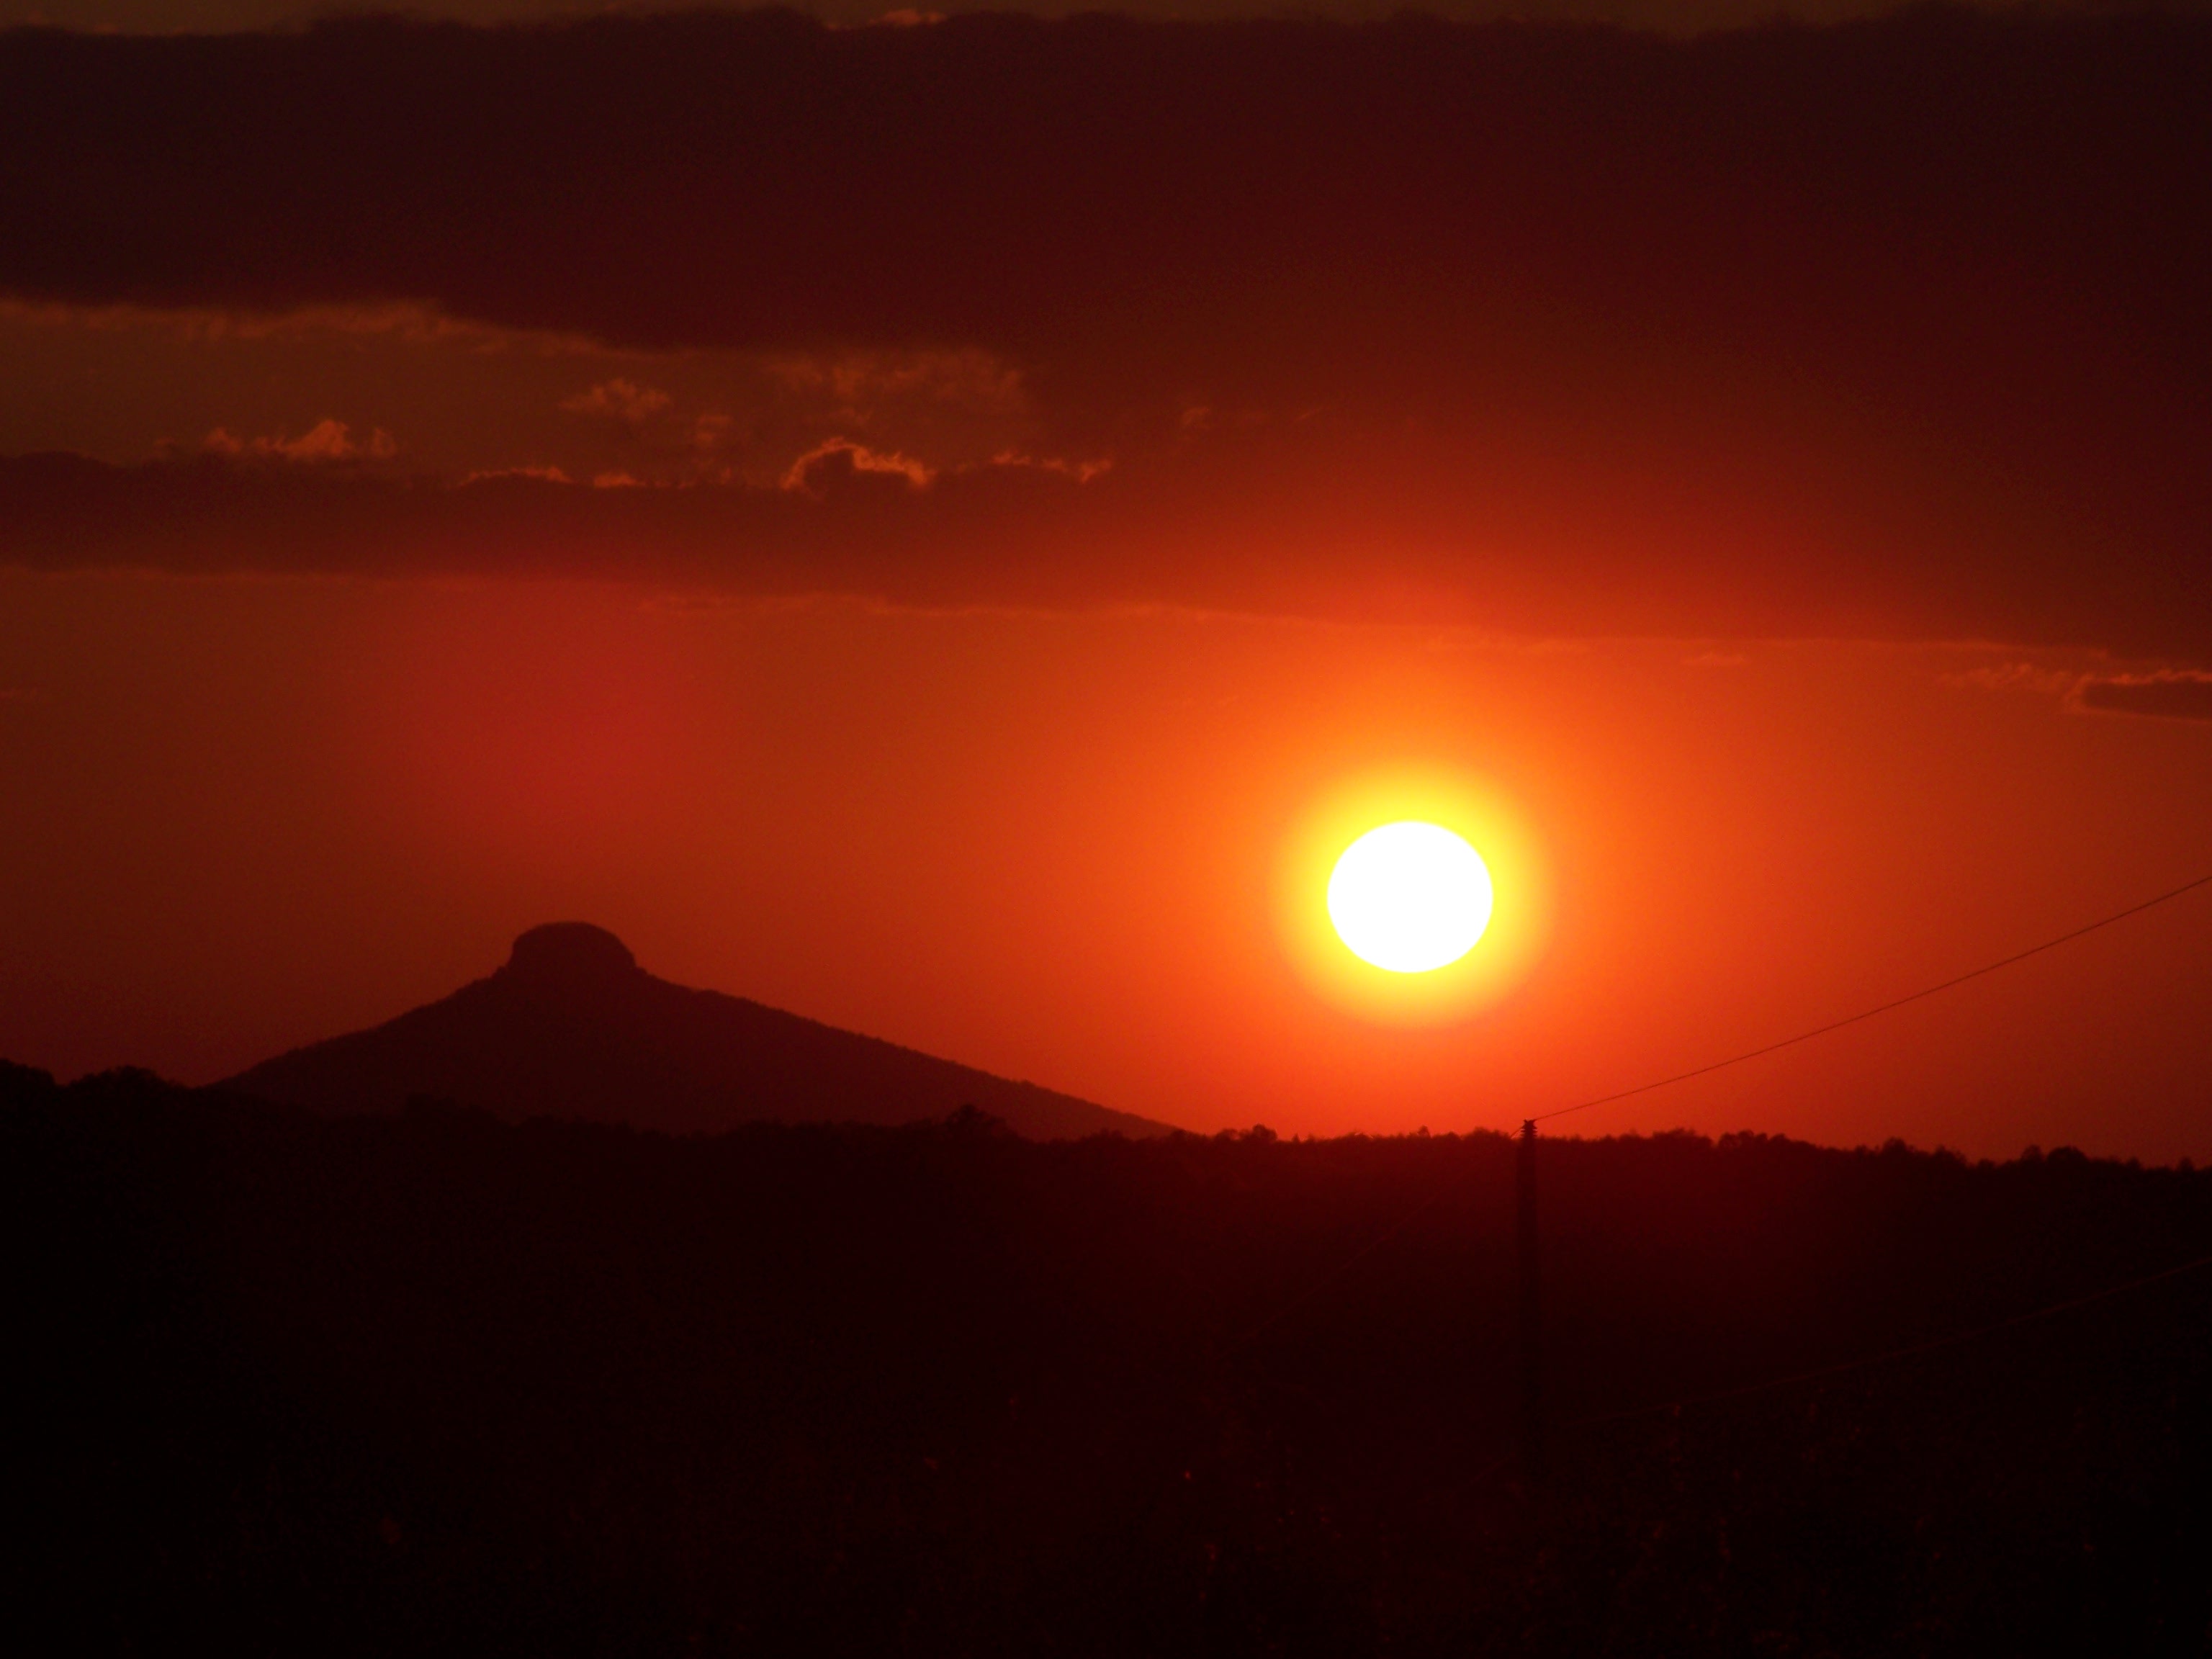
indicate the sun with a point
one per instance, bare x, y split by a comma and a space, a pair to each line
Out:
1410, 898
1385, 909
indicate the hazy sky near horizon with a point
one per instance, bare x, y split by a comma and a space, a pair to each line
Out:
912, 525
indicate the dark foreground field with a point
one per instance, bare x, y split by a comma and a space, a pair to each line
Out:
426, 1384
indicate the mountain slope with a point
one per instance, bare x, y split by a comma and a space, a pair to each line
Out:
572, 1027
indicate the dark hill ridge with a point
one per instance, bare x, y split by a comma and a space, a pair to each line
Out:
428, 1384
572, 1027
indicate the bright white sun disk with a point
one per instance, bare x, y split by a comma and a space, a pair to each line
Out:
1410, 898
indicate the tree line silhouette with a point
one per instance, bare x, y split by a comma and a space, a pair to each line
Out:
432, 1383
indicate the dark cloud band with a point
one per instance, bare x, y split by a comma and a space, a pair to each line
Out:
2166, 696
1907, 315
1237, 532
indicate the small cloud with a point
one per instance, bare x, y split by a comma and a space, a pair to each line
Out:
541, 474
2013, 677
2178, 693
856, 457
617, 481
619, 400
321, 444
331, 440
862, 383
1081, 471
2168, 694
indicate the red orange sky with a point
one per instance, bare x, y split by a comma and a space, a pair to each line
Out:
250, 811
908, 525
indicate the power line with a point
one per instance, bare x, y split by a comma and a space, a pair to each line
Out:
1407, 1218
1869, 1013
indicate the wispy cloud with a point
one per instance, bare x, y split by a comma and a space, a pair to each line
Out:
863, 383
1082, 472
2015, 677
619, 399
535, 474
804, 475
326, 442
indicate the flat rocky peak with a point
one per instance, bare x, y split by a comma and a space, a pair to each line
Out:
571, 951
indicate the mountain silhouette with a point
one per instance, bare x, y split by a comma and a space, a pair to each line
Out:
572, 1027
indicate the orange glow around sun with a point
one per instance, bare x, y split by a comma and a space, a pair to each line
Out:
1412, 896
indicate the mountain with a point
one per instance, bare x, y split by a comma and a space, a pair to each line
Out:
572, 1027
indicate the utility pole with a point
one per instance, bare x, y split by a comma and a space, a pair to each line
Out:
1532, 1324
